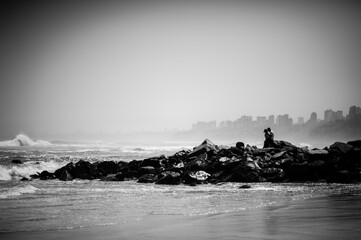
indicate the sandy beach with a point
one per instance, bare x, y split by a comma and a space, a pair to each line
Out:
333, 217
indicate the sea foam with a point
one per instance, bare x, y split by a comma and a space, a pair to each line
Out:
8, 172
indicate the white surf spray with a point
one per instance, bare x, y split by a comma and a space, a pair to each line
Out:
8, 172
23, 140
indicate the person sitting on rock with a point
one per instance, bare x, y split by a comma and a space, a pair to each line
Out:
269, 138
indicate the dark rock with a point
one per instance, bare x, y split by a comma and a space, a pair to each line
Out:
301, 172
273, 174
147, 170
45, 175
321, 169
342, 148
120, 176
198, 163
134, 165
124, 168
34, 176
278, 155
317, 154
260, 152
356, 143
148, 178
107, 167
287, 144
240, 145
85, 170
69, 168
24, 179
244, 172
244, 186
170, 178
206, 147
17, 161
65, 176
225, 153
182, 155
281, 163
343, 176
155, 162
236, 151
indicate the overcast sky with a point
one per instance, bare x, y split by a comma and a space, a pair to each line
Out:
155, 65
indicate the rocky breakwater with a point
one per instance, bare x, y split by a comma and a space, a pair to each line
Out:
209, 163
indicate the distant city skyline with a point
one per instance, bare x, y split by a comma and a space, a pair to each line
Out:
281, 120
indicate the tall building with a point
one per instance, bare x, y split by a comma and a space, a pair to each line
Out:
339, 115
354, 113
284, 121
313, 119
243, 122
329, 115
261, 121
225, 124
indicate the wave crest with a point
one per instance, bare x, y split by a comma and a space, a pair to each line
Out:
25, 170
23, 140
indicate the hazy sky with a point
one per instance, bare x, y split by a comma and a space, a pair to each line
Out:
152, 65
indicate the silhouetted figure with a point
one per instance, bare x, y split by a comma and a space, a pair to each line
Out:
269, 138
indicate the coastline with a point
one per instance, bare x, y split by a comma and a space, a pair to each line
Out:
331, 217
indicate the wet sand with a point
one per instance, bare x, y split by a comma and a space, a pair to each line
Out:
333, 217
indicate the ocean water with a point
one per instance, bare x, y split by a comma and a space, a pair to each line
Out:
32, 206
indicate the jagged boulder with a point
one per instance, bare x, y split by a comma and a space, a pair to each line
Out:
341, 147
244, 172
240, 145
107, 167
355, 143
85, 170
65, 176
45, 175
198, 163
69, 168
155, 162
207, 146
317, 154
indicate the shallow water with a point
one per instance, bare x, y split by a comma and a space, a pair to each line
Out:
51, 205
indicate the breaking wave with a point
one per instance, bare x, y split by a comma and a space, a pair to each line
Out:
23, 140
8, 172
